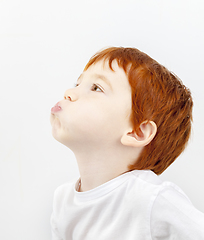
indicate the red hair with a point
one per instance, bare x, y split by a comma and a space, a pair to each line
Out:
157, 95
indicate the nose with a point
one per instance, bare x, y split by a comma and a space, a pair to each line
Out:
70, 95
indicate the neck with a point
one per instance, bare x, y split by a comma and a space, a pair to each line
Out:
99, 167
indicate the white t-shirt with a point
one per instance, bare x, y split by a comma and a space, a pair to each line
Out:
136, 205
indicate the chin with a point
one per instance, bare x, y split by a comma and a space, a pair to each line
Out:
52, 117
57, 135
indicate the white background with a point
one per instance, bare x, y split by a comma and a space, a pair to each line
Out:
44, 46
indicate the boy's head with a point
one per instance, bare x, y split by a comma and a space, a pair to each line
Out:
157, 96
94, 114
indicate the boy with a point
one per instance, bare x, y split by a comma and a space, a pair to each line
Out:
127, 120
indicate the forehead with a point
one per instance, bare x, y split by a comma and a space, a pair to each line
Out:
104, 64
115, 78
102, 68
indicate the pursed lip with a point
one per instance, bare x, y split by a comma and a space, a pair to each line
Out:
56, 108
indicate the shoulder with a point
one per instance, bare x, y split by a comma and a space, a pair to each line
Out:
173, 214
63, 192
170, 212
147, 181
168, 190
64, 187
147, 176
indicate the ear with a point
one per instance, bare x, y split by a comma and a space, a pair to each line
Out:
147, 131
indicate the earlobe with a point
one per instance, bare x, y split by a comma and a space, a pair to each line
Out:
147, 132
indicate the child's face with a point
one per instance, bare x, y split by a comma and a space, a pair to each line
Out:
97, 111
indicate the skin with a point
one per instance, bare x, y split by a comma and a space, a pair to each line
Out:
94, 122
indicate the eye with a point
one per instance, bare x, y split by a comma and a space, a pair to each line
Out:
96, 88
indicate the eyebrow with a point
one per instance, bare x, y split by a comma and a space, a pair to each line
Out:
102, 77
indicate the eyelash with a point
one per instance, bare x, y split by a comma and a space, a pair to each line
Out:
94, 86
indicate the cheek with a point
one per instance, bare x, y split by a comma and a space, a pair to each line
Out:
89, 119
94, 120
88, 122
